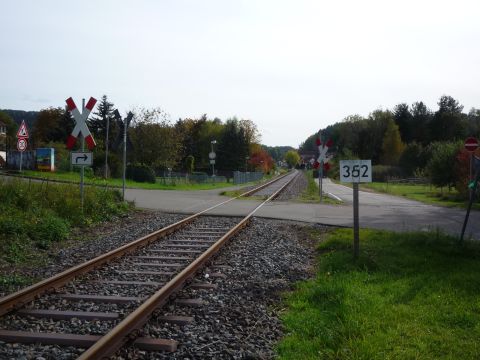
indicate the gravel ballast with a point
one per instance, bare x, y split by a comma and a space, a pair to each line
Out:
239, 319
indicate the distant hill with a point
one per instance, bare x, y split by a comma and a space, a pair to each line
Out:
277, 152
18, 115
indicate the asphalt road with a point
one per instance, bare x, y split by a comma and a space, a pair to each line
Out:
377, 211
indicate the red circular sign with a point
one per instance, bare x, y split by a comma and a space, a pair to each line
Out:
471, 144
22, 144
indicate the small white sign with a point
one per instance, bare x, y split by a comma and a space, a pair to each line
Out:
357, 171
212, 162
212, 155
82, 158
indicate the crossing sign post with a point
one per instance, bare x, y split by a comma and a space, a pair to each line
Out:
81, 130
22, 143
322, 162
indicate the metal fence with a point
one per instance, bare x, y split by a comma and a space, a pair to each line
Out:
169, 178
244, 177
28, 160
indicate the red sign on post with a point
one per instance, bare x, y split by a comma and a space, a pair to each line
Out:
471, 144
80, 123
22, 132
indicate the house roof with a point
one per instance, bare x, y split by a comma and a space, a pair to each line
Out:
2, 123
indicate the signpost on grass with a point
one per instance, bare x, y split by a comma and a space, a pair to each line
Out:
473, 188
321, 164
212, 156
471, 144
81, 130
356, 171
126, 123
22, 143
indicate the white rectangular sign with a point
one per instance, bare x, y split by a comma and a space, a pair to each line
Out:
357, 171
82, 158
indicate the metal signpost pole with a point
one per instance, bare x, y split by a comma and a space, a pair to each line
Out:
106, 148
82, 169
356, 232
124, 155
21, 160
356, 172
320, 180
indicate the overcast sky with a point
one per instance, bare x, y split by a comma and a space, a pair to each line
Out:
290, 66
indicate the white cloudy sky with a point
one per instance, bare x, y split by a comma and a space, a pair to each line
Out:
291, 66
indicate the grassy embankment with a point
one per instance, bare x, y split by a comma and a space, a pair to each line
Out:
428, 194
173, 184
311, 193
409, 296
36, 216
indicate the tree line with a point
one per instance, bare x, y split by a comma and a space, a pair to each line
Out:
154, 140
408, 140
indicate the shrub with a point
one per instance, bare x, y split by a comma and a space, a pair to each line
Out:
11, 225
47, 229
382, 173
140, 173
114, 164
441, 165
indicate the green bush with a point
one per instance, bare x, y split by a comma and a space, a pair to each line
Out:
114, 164
382, 173
11, 225
140, 173
33, 215
441, 165
47, 229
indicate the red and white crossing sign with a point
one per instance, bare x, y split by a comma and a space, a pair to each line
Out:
80, 123
471, 144
322, 151
22, 132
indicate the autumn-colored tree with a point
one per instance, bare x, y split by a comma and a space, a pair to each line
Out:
392, 146
261, 160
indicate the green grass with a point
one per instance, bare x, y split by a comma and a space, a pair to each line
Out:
408, 296
424, 193
34, 216
74, 177
311, 193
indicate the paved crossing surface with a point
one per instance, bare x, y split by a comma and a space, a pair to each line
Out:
377, 211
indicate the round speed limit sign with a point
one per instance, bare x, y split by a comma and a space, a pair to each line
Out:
22, 144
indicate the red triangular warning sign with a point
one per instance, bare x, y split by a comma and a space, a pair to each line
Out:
22, 131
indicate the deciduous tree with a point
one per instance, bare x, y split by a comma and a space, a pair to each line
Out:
292, 158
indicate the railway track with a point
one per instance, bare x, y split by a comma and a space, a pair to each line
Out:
112, 296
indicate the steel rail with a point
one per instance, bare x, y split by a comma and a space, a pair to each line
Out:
121, 333
28, 294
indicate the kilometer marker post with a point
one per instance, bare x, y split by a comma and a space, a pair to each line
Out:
355, 172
